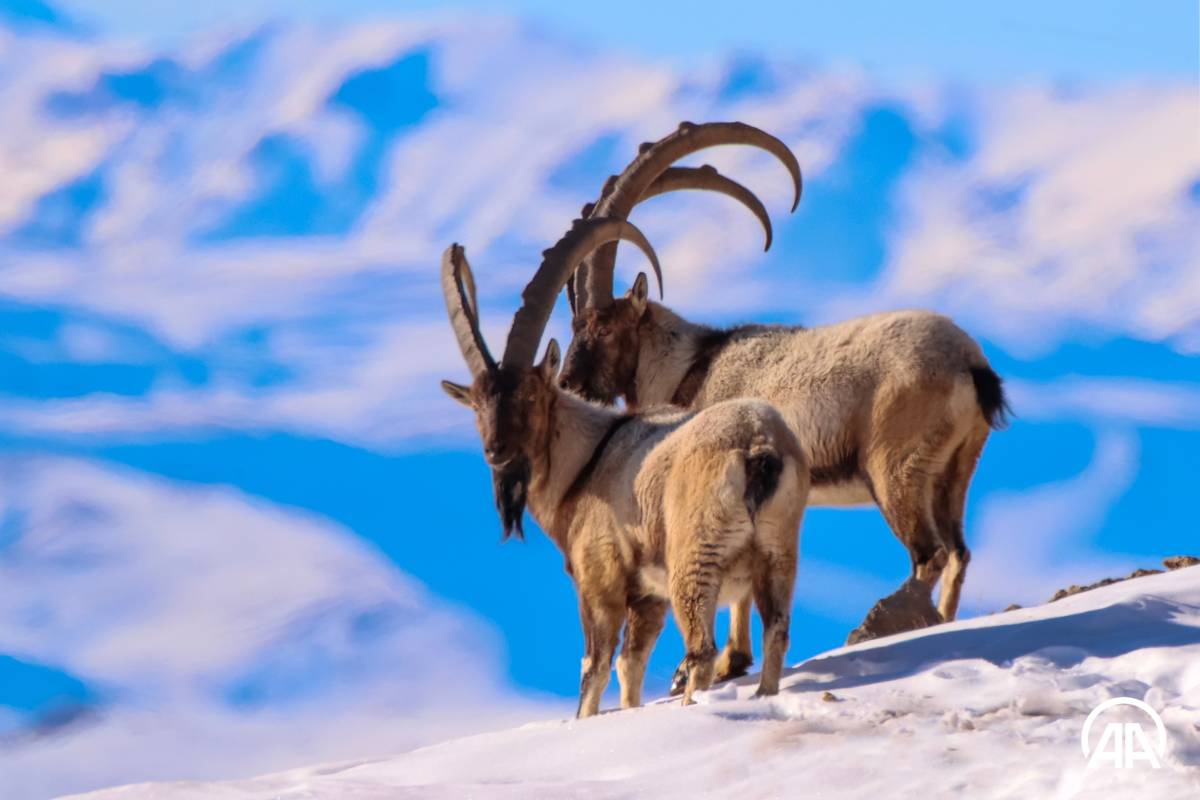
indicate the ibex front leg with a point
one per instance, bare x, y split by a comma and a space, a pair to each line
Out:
601, 626
643, 625
737, 657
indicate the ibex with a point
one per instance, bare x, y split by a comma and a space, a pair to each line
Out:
694, 508
893, 408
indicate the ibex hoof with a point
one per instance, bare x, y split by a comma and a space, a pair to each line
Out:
733, 664
679, 679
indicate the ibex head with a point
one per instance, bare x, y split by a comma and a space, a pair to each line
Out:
514, 400
601, 361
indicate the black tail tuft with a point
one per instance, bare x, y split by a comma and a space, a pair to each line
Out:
989, 391
763, 469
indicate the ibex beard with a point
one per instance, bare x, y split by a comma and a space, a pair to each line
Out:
510, 484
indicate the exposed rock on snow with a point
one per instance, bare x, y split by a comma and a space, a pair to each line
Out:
1172, 563
909, 608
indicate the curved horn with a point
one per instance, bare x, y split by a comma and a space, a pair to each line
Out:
458, 288
594, 285
707, 178
558, 263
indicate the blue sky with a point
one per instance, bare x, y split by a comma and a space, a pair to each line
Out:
221, 333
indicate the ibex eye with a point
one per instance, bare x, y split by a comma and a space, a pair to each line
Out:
606, 331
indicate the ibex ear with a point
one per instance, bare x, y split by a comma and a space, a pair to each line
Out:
458, 392
638, 292
549, 365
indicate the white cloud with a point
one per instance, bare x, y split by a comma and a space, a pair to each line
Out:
174, 602
1109, 400
517, 105
1075, 210
1033, 542
1071, 210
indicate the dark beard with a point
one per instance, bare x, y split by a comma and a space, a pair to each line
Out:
511, 485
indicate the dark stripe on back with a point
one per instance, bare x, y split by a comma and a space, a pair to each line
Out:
585, 474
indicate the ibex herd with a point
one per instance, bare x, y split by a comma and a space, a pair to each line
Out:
692, 496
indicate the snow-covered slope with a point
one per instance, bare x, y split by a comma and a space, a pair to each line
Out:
986, 708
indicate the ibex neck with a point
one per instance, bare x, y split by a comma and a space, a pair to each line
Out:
669, 344
576, 430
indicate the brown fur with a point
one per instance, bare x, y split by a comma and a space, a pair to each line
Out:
691, 508
893, 408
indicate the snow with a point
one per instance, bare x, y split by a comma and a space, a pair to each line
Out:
988, 707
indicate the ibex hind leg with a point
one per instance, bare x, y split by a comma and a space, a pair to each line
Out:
774, 579
773, 593
737, 656
643, 624
694, 600
904, 481
949, 508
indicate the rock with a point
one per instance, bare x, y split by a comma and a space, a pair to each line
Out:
1172, 563
907, 609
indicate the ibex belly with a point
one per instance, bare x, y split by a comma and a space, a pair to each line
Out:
853, 492
735, 584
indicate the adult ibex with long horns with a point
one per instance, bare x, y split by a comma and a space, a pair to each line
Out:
694, 508
893, 408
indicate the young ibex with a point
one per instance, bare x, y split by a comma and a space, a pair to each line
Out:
893, 408
694, 508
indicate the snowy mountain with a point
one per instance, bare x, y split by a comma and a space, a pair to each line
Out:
205, 632
152, 199
990, 708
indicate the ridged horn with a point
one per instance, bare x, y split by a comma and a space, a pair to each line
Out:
707, 178
558, 263
458, 288
594, 284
